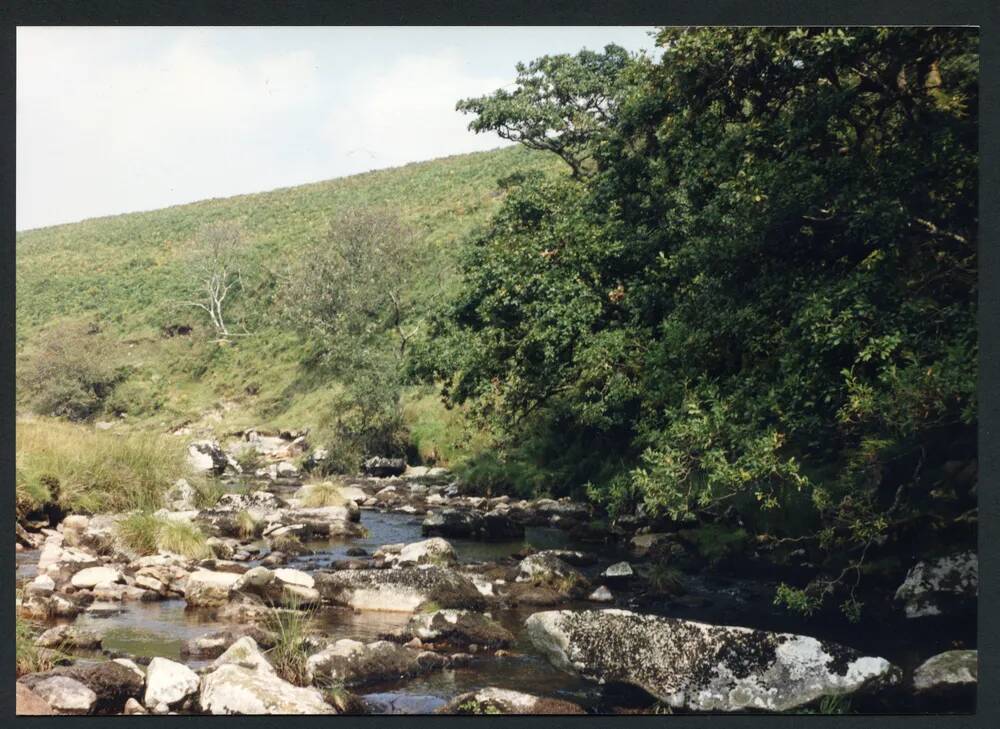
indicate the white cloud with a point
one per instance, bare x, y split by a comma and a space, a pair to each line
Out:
407, 112
117, 131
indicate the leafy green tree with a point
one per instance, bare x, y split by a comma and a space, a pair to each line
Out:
764, 294
560, 104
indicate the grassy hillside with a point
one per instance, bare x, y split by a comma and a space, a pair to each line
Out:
127, 274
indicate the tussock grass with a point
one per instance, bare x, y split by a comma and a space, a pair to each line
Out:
291, 628
247, 526
29, 658
325, 493
94, 471
146, 533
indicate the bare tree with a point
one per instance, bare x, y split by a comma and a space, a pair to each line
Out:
217, 272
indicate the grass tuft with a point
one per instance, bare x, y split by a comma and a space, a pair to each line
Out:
291, 628
317, 495
145, 533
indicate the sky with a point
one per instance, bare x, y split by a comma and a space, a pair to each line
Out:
115, 120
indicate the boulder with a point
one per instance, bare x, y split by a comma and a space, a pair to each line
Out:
601, 594
214, 644
549, 570
65, 695
111, 683
353, 663
946, 672
41, 586
492, 700
405, 589
435, 551
704, 667
620, 571
459, 627
244, 652
93, 576
467, 524
948, 585
383, 467
207, 456
236, 689
28, 703
168, 682
68, 637
643, 544
287, 587
209, 589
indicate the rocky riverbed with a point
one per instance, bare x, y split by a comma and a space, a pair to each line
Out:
421, 599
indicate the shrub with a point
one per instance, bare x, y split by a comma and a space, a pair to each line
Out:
68, 371
96, 471
136, 397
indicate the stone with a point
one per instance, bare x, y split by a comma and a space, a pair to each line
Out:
244, 652
133, 708
492, 700
236, 689
41, 586
209, 589
465, 524
111, 683
459, 627
404, 589
168, 682
65, 695
947, 671
288, 587
702, 667
353, 663
435, 551
132, 666
948, 585
642, 544
384, 467
28, 703
207, 456
601, 594
93, 576
549, 570
619, 571
68, 636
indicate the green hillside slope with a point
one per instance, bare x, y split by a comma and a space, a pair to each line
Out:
127, 274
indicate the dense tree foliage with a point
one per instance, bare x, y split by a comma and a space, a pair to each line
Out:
764, 294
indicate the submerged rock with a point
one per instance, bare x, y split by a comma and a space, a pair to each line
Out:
492, 700
459, 626
354, 663
947, 671
704, 667
405, 589
943, 586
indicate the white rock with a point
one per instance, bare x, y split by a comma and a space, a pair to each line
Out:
235, 689
93, 576
294, 577
209, 589
66, 695
601, 594
168, 682
42, 586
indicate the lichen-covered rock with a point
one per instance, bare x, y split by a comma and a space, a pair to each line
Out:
181, 496
492, 700
399, 590
354, 663
68, 636
460, 627
384, 467
207, 456
549, 570
286, 587
209, 589
468, 524
236, 689
244, 652
434, 551
65, 695
168, 682
112, 683
942, 586
947, 671
704, 667
215, 643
